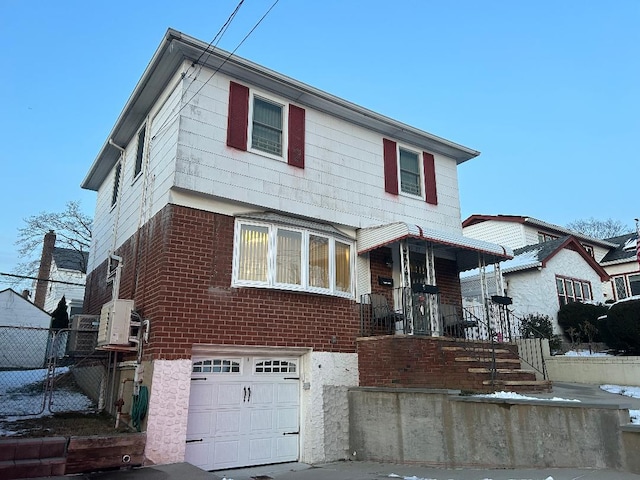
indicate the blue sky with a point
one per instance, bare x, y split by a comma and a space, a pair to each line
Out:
548, 91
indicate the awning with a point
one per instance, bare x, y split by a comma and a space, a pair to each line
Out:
465, 250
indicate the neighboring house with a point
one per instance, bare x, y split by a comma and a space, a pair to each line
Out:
22, 347
542, 277
62, 273
623, 266
251, 214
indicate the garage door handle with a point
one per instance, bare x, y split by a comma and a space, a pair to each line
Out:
249, 399
291, 433
244, 396
194, 441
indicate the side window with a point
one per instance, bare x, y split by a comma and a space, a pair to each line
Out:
409, 172
116, 184
140, 151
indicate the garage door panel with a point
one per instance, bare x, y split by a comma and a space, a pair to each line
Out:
262, 393
288, 392
261, 420
229, 395
199, 424
198, 454
260, 450
288, 419
201, 394
227, 422
286, 448
226, 454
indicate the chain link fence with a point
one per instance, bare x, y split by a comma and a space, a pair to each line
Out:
46, 371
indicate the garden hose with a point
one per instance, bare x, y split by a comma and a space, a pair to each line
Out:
139, 407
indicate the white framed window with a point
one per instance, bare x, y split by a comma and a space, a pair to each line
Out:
620, 286
546, 237
634, 284
410, 172
217, 365
290, 258
268, 126
116, 184
139, 152
275, 366
572, 290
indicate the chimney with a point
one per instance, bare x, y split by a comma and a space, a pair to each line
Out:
45, 268
25, 294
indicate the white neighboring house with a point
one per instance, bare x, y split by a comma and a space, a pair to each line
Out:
542, 277
16, 348
622, 265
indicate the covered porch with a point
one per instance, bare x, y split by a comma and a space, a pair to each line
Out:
415, 285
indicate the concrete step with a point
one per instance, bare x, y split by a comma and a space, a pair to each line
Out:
521, 386
476, 349
499, 370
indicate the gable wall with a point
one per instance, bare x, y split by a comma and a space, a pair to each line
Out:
510, 234
534, 291
15, 310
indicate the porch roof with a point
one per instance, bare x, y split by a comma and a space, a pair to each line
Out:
464, 249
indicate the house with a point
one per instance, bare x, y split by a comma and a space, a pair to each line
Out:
17, 314
61, 273
551, 266
251, 219
623, 266
542, 277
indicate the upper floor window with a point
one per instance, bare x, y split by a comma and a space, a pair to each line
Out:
571, 290
545, 237
266, 131
626, 286
116, 184
416, 172
273, 128
409, 173
140, 151
275, 256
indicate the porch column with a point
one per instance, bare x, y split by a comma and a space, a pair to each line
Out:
434, 311
405, 283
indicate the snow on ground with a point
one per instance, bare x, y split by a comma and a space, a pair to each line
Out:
518, 396
585, 353
633, 392
22, 395
393, 475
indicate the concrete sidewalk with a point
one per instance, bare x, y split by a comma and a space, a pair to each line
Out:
349, 471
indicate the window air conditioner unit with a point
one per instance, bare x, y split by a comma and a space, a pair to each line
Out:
115, 320
82, 337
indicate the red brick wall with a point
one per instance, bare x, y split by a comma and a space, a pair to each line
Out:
448, 281
178, 272
417, 362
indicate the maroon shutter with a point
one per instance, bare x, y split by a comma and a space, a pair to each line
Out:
238, 116
390, 166
295, 152
430, 178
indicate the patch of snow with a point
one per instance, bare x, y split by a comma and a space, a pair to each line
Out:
585, 353
635, 416
518, 396
633, 392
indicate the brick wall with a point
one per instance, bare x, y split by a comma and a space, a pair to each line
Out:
418, 362
448, 281
177, 269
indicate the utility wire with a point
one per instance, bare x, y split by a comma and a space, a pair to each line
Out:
25, 277
171, 118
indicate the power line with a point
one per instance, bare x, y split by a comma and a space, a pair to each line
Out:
25, 277
172, 117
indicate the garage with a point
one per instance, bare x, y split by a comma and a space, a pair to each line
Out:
243, 411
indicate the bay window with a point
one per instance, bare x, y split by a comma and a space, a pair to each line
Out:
274, 256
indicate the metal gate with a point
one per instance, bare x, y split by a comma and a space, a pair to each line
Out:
45, 371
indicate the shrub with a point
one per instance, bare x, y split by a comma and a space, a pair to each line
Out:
621, 327
536, 325
581, 319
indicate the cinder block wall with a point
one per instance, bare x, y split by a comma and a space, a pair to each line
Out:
435, 428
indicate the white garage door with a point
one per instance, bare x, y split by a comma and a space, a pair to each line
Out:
243, 411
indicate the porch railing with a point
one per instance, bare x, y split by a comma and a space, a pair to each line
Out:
403, 311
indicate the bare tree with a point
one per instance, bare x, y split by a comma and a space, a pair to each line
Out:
72, 228
599, 228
